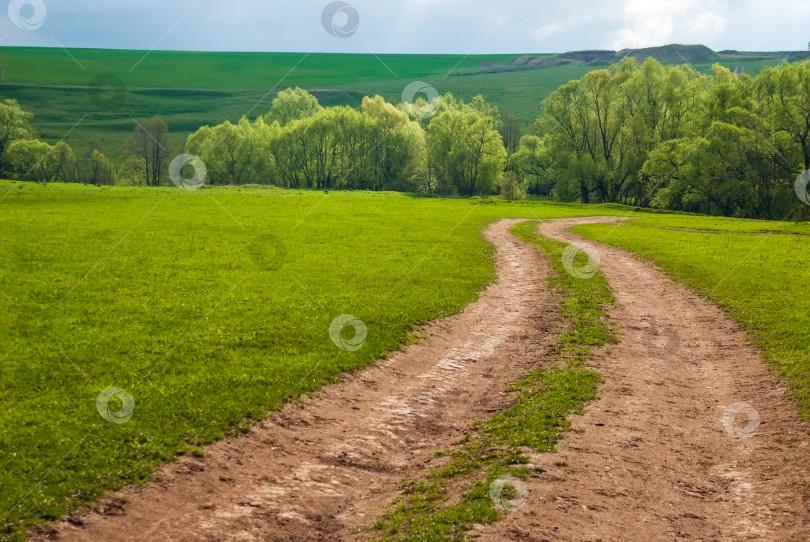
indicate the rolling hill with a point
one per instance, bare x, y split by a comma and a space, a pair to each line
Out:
191, 89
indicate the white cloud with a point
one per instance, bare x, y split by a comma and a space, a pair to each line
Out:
646, 23
548, 30
424, 26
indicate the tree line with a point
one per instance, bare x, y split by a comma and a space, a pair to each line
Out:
669, 137
456, 149
24, 157
446, 147
645, 134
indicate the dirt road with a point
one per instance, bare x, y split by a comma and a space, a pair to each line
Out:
658, 459
655, 460
332, 464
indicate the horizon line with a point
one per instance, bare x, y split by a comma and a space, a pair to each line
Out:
382, 54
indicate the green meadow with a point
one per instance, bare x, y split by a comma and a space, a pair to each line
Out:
193, 89
211, 308
208, 308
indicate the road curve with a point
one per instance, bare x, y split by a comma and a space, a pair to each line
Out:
662, 455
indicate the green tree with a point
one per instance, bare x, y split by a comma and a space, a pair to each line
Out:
785, 99
599, 130
531, 161
150, 147
511, 187
34, 160
14, 125
292, 104
467, 152
100, 169
394, 156
511, 132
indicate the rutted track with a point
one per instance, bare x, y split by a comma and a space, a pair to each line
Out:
321, 469
655, 460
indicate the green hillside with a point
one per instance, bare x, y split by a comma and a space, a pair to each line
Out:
191, 89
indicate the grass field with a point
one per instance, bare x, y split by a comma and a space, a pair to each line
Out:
755, 270
208, 308
192, 89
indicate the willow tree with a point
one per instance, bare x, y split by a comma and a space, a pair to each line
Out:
37, 161
15, 124
784, 92
600, 129
467, 152
531, 161
292, 104
397, 144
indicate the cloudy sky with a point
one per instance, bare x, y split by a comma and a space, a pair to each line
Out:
407, 26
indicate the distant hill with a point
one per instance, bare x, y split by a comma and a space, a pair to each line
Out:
666, 54
193, 89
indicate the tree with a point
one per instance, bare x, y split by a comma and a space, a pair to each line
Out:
100, 169
566, 129
292, 104
393, 156
150, 147
785, 99
91, 167
467, 152
532, 163
36, 161
599, 131
259, 140
14, 125
236, 153
511, 133
511, 187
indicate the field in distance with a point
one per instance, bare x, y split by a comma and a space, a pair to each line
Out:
192, 89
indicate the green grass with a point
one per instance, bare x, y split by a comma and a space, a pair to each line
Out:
209, 308
699, 224
213, 307
192, 89
760, 280
537, 420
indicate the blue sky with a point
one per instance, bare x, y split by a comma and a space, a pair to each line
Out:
407, 26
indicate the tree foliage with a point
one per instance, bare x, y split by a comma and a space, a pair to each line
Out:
466, 151
639, 134
670, 137
36, 161
292, 104
15, 124
376, 146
